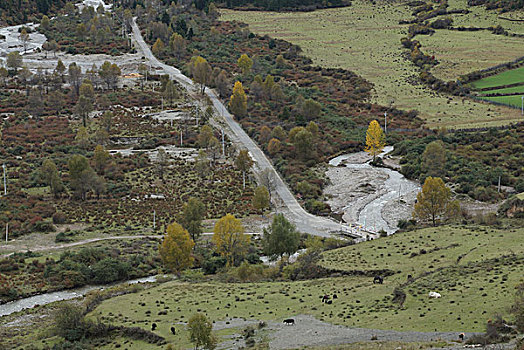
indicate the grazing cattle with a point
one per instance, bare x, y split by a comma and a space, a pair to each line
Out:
329, 302
378, 279
153, 326
289, 321
434, 295
325, 298
173, 330
410, 277
461, 336
335, 296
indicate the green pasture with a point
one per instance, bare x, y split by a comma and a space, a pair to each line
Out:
511, 90
365, 39
474, 288
515, 100
460, 53
507, 77
442, 245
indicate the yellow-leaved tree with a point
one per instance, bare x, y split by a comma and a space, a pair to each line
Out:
375, 139
245, 63
238, 101
230, 240
201, 71
158, 46
175, 249
434, 202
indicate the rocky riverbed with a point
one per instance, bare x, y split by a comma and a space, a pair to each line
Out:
372, 197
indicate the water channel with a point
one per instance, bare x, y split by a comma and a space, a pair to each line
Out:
370, 216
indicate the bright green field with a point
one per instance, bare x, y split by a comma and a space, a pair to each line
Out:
515, 100
506, 90
504, 78
365, 38
473, 290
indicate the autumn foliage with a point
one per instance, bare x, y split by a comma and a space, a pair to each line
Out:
230, 240
375, 139
176, 249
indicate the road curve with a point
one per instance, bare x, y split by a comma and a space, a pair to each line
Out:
304, 221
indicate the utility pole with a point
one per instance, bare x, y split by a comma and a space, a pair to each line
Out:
385, 122
6, 232
223, 144
499, 185
5, 181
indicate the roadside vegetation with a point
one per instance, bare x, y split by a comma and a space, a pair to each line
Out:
299, 114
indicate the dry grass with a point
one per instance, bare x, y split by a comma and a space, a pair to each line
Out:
463, 52
366, 39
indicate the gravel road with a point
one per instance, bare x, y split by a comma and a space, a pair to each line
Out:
304, 221
312, 332
308, 331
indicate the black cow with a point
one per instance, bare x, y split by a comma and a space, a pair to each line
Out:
329, 302
173, 330
335, 296
153, 326
378, 279
325, 298
461, 336
289, 321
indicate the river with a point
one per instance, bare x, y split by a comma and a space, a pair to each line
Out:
371, 208
47, 298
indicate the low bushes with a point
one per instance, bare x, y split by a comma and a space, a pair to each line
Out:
474, 160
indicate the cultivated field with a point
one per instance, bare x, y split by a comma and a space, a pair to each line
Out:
460, 53
366, 39
507, 77
515, 101
511, 90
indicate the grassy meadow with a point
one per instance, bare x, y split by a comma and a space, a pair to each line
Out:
366, 39
479, 17
475, 270
460, 53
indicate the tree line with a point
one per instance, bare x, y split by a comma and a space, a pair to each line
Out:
275, 5
18, 11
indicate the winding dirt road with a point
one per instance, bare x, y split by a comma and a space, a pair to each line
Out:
304, 221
